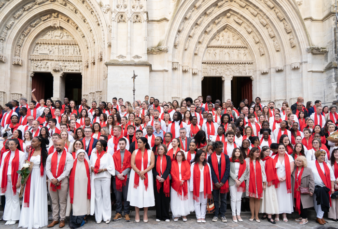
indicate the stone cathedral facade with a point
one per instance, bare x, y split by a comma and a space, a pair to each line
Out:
286, 48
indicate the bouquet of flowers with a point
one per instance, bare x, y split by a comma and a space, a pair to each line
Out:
333, 137
24, 173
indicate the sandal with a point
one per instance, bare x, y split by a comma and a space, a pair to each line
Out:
299, 219
285, 220
303, 222
271, 221
277, 219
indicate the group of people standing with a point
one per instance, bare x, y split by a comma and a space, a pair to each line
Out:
181, 158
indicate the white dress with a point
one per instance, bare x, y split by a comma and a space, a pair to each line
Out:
36, 215
180, 207
140, 197
285, 202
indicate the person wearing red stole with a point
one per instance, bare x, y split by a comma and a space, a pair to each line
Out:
89, 143
32, 110
275, 121
133, 145
266, 138
236, 183
324, 179
269, 204
34, 211
181, 203
253, 124
83, 116
283, 130
102, 168
58, 166
333, 212
23, 116
79, 195
197, 115
298, 150
8, 129
217, 118
220, 172
6, 117
76, 146
256, 182
161, 173
52, 127
200, 184
113, 142
141, 185
302, 177
122, 158
285, 166
210, 127
317, 117
55, 138
184, 140
176, 146
176, 125
230, 144
284, 139
332, 115
193, 128
11, 162
96, 129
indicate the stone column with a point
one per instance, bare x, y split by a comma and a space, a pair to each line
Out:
58, 86
226, 87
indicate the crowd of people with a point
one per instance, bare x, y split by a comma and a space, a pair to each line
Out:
179, 157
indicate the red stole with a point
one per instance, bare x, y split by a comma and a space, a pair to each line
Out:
287, 172
152, 140
14, 127
269, 140
335, 170
214, 163
293, 138
285, 132
126, 164
138, 163
14, 169
307, 143
334, 117
176, 181
6, 119
197, 180
57, 170
210, 130
171, 153
325, 177
256, 180
242, 168
258, 128
320, 119
274, 124
226, 148
173, 128
90, 146
184, 146
222, 139
98, 160
116, 142
270, 170
23, 120
296, 191
157, 108
193, 130
166, 183
51, 150
72, 181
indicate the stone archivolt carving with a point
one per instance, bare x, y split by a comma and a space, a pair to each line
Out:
106, 8
18, 13
261, 50
175, 65
241, 3
292, 41
17, 61
47, 66
185, 68
295, 66
227, 37
252, 11
287, 27
210, 10
227, 70
227, 54
269, 4
255, 38
177, 40
198, 4
248, 29
262, 20
221, 3
121, 5
238, 21
270, 31
279, 15
276, 45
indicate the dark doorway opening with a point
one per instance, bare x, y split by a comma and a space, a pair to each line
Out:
212, 86
43, 84
73, 84
241, 88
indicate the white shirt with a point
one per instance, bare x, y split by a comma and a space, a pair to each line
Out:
318, 181
312, 116
110, 145
67, 168
177, 129
191, 184
205, 129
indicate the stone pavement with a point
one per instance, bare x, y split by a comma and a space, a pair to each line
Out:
191, 223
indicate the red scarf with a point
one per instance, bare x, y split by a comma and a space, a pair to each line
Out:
222, 139
152, 143
23, 120
325, 177
51, 150
6, 119
171, 153
56, 172
36, 132
214, 163
256, 180
274, 123
166, 183
296, 191
28, 183
336, 170
293, 138
193, 130
14, 127
138, 163
72, 181
176, 181
90, 147
307, 143
334, 117
285, 132
270, 171
320, 120
271, 112
173, 128
287, 172
217, 117
226, 148
210, 131
269, 140
98, 160
157, 108
116, 141
197, 180
184, 146
124, 130
126, 165
14, 169
242, 168
30, 113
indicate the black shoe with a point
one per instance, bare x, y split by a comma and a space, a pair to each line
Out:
271, 220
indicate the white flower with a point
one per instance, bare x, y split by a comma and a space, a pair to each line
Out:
26, 165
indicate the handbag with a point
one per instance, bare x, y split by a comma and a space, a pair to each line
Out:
304, 190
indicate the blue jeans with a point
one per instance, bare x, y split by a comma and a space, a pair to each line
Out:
220, 209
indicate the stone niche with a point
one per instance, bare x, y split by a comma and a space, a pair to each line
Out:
56, 50
228, 55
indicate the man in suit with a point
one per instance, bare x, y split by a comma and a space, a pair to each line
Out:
89, 143
184, 140
300, 100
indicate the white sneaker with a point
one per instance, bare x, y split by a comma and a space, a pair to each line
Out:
203, 221
157, 220
108, 221
167, 220
199, 221
184, 219
10, 222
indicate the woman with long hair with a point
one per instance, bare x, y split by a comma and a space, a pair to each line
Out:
302, 178
96, 128
42, 118
161, 172
248, 132
298, 150
102, 168
117, 119
200, 184
64, 119
97, 115
285, 167
269, 204
318, 130
236, 183
83, 116
256, 182
79, 134
65, 137
34, 211
245, 148
110, 123
284, 139
77, 145
103, 120
200, 139
176, 146
301, 120
73, 109
27, 141
187, 117
266, 113
44, 134
141, 185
